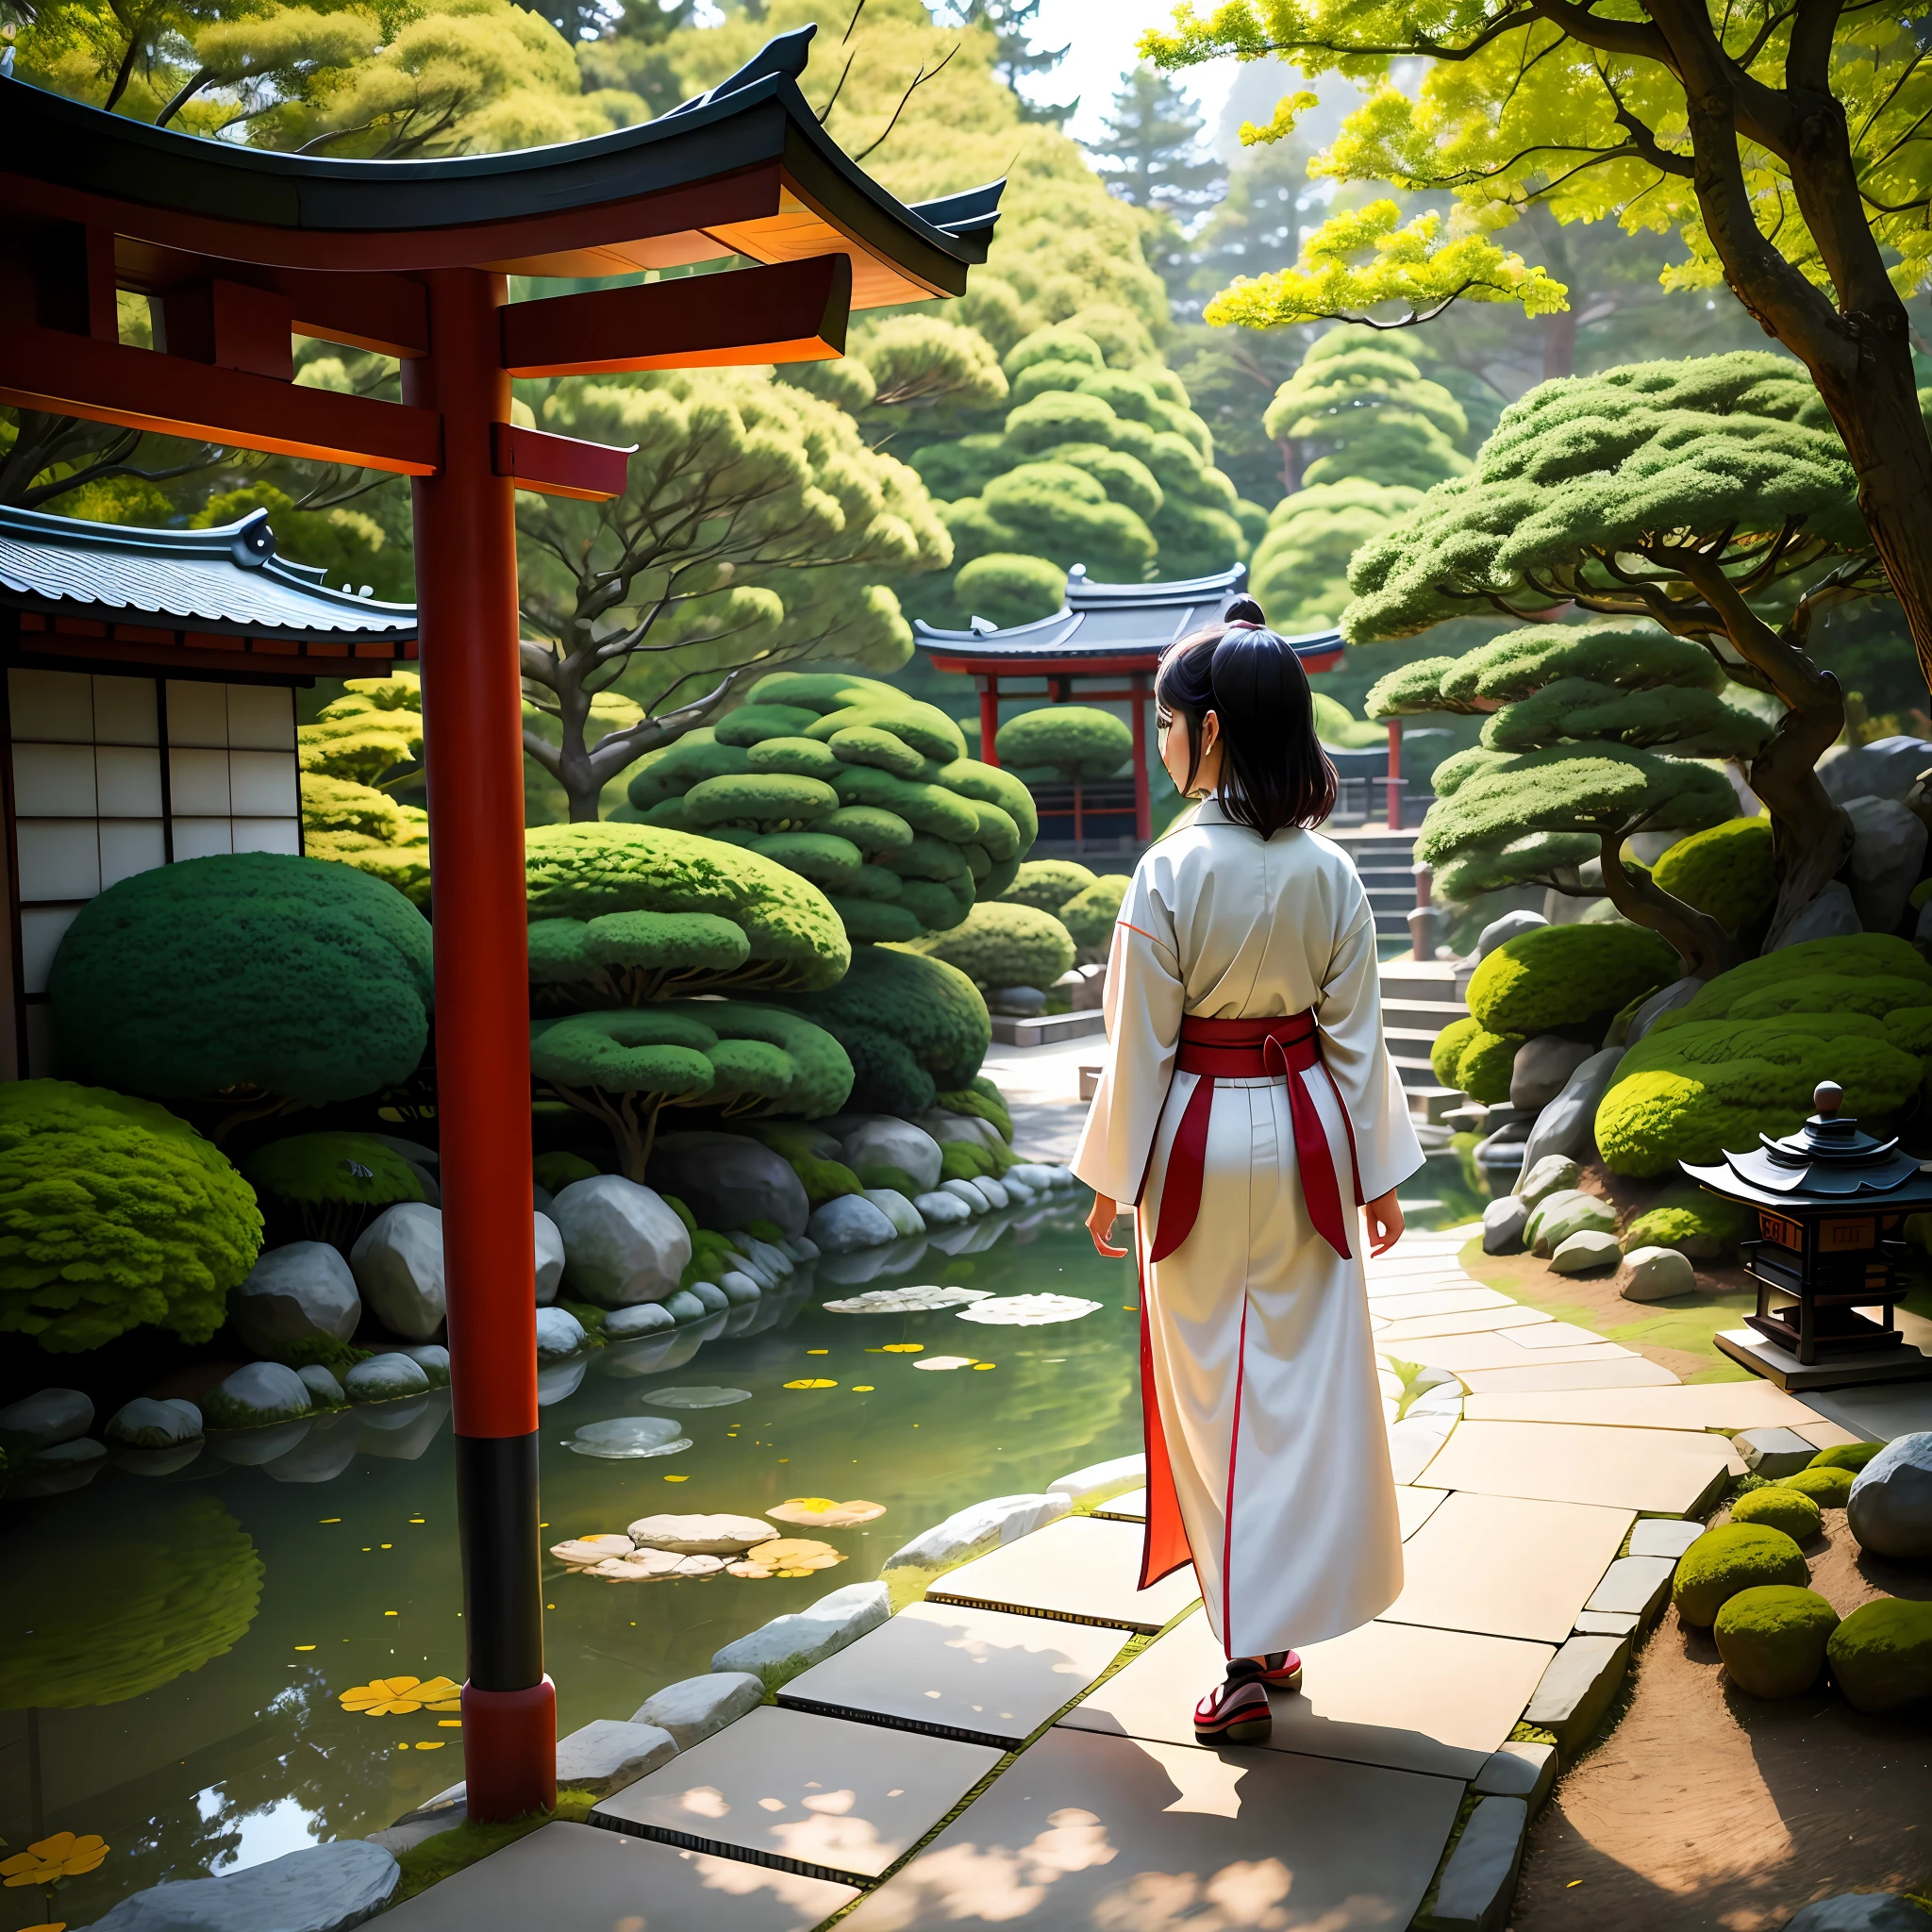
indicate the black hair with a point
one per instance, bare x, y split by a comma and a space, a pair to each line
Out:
1274, 770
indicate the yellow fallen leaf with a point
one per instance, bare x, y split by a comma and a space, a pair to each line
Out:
304, 1646
677, 1479
810, 1383
904, 1348
435, 1744
863, 1388
986, 1365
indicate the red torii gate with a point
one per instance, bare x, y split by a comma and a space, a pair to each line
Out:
240, 249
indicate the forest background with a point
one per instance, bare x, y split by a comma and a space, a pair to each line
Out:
1073, 408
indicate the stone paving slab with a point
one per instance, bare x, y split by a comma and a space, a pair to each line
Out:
1630, 1372
1401, 1696
596, 1881
1660, 1471
1399, 1287
1501, 1565
1483, 1321
832, 1799
1501, 1350
1414, 1443
984, 1675
1558, 1335
1087, 1831
1083, 1569
1876, 1415
1688, 1406
1415, 1507
1132, 1507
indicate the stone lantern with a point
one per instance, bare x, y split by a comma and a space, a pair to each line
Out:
1830, 1204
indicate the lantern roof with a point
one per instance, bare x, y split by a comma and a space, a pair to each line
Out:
1827, 1159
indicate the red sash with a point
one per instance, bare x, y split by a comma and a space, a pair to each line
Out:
1229, 1050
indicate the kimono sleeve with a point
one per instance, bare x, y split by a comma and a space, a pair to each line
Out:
1143, 1008
1349, 1013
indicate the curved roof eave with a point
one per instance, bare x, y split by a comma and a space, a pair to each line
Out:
598, 189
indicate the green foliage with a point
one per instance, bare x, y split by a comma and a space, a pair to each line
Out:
622, 1067
1566, 976
1881, 1654
108, 1606
627, 912
1780, 1506
826, 1180
1722, 1562
1006, 590
1744, 1056
241, 978
912, 1025
1004, 945
349, 546
1694, 1223
556, 1172
1091, 914
329, 1184
1075, 742
966, 1160
1335, 728
1470, 1058
1361, 401
113, 1213
981, 1101
1726, 870
1774, 1638
1047, 884
1445, 1054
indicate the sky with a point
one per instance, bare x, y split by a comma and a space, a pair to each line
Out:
1099, 36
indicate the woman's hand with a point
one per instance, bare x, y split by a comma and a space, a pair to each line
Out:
1100, 1222
1384, 1217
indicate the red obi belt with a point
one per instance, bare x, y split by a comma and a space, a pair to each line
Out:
1255, 1050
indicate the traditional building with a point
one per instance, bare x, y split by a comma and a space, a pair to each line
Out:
150, 714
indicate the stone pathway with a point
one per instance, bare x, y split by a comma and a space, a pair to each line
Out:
1547, 1476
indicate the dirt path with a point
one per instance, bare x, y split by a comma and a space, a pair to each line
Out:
1707, 1811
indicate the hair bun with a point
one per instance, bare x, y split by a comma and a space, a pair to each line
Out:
1243, 611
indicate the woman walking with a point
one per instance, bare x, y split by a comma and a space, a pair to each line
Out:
1248, 1108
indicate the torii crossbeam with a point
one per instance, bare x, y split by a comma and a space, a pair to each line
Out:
238, 250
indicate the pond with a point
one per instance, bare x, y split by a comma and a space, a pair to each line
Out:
213, 1736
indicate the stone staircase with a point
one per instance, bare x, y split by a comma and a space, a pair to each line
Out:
1418, 999
1384, 859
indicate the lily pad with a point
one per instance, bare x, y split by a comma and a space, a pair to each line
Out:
1028, 1311
704, 1396
820, 1512
789, 1555
907, 1301
629, 1437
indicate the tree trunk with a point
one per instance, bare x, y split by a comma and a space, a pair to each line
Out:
1811, 837
1291, 465
1703, 945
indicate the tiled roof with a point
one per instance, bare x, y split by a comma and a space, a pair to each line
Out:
223, 579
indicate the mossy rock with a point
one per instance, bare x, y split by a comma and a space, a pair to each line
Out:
1829, 1486
1446, 1054
1774, 1638
1881, 1654
1779, 1507
1567, 975
1557, 1216
1741, 1555
1851, 1456
1697, 1224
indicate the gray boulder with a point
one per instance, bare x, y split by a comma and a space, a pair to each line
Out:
945, 1127
559, 1333
1479, 1880
323, 1390
991, 1191
397, 1261
46, 1417
975, 1530
1656, 1274
1680, 993
324, 1888
623, 1243
1886, 768
432, 1359
968, 1196
1585, 1252
262, 1392
1541, 1067
852, 1221
1557, 1216
641, 1317
300, 1292
549, 1257
904, 1216
884, 1140
1512, 925
1860, 1911
698, 1707
146, 1424
1016, 1002
1099, 1482
1888, 851
1503, 1220
778, 1650
1771, 1453
1567, 1124
683, 1305
941, 1210
385, 1377
1553, 1173
1890, 1509
739, 1289
1832, 915
729, 1180
710, 1297
609, 1754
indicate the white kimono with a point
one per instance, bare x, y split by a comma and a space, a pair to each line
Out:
1268, 1457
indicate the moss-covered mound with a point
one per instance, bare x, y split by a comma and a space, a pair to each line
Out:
1091, 915
1881, 1654
1003, 946
1695, 1224
913, 1027
1744, 1055
1851, 1456
1047, 884
326, 1186
1829, 1486
113, 1213
243, 976
1778, 1506
1725, 871
557, 1171
623, 914
1072, 742
1773, 1639
1468, 1057
849, 783
1739, 1556
1567, 975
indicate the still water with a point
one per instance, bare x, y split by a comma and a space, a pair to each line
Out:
176, 1646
